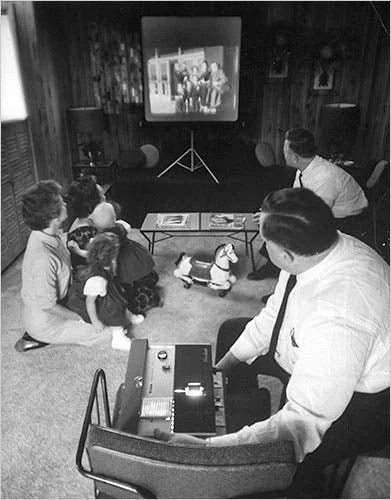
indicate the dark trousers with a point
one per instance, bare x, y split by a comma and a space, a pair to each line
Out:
268, 263
364, 426
244, 376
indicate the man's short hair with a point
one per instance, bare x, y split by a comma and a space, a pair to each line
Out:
299, 220
301, 142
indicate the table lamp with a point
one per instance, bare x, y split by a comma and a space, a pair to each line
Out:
87, 122
338, 125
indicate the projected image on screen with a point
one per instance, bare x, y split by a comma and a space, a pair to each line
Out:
191, 68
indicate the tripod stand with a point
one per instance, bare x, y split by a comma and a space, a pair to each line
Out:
193, 155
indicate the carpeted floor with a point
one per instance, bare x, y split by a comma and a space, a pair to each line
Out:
45, 392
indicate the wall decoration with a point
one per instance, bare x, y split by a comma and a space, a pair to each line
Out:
329, 52
115, 59
278, 67
323, 77
281, 40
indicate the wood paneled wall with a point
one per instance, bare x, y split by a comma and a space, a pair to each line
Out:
55, 56
44, 68
362, 79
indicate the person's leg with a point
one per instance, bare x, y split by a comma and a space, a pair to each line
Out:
268, 270
213, 98
364, 426
245, 402
243, 375
142, 299
263, 252
81, 333
28, 343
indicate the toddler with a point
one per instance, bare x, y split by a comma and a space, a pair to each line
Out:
95, 293
135, 270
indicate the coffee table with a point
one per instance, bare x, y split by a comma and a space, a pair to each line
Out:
197, 223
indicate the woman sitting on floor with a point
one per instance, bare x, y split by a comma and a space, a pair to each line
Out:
46, 276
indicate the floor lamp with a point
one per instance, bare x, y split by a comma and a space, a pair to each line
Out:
194, 157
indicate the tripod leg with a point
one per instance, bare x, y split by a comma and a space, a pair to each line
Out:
192, 167
176, 162
207, 168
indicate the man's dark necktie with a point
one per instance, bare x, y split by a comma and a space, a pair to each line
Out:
280, 316
300, 180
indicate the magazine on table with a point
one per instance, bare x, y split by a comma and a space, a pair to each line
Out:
173, 220
226, 221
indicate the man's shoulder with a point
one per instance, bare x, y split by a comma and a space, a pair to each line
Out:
329, 168
325, 171
322, 164
356, 262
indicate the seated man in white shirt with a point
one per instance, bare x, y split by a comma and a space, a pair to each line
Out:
331, 349
332, 183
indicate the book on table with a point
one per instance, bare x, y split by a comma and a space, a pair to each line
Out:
173, 220
226, 221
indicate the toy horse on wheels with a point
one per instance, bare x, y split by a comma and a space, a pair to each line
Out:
215, 275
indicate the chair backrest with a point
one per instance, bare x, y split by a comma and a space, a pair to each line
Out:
265, 154
165, 470
376, 174
124, 465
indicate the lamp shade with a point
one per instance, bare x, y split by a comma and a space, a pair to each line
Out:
338, 126
86, 119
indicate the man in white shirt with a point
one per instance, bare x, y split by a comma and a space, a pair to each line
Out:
334, 185
332, 348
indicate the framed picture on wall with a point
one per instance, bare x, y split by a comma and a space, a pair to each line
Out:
278, 69
323, 79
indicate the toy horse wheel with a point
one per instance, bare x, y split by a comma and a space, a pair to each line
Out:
186, 285
223, 293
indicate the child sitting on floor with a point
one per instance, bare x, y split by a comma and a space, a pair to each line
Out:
135, 269
94, 293
83, 196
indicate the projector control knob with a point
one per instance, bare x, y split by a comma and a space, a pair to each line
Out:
162, 355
